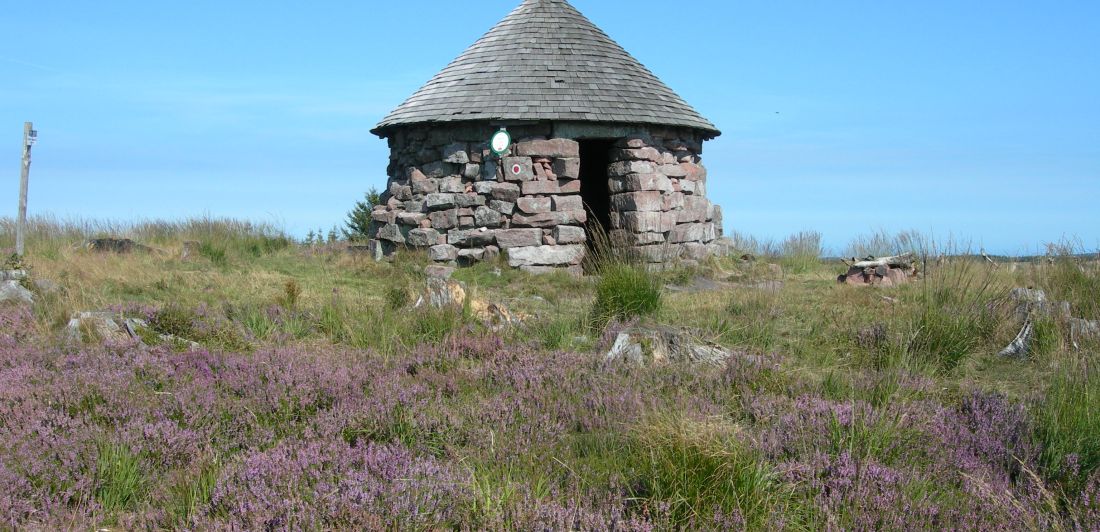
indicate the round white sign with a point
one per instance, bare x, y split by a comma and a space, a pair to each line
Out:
500, 142
516, 169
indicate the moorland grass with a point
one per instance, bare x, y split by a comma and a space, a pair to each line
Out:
875, 352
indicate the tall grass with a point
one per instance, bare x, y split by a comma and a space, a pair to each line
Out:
801, 252
48, 235
884, 244
626, 288
1068, 422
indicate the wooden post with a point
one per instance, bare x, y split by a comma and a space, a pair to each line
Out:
24, 178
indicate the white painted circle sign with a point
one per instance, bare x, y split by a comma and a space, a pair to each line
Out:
500, 142
516, 169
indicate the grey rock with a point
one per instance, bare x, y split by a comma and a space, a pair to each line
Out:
568, 234
443, 220
484, 187
469, 200
443, 253
411, 218
486, 217
471, 256
637, 201
550, 219
452, 184
12, 275
438, 271
442, 293
534, 205
574, 270
506, 192
13, 292
623, 168
514, 238
541, 187
667, 345
568, 203
502, 207
641, 182
391, 232
471, 237
440, 201
422, 238
545, 255
46, 286
471, 171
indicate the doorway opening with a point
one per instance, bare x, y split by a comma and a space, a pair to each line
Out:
595, 188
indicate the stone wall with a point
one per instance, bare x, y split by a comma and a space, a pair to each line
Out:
449, 194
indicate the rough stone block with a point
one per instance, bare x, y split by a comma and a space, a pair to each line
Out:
513, 238
623, 168
659, 252
484, 187
400, 192
466, 221
455, 153
672, 201
469, 200
694, 172
635, 142
490, 171
637, 201
502, 207
645, 239
444, 220
695, 210
641, 182
491, 253
534, 205
548, 148
569, 186
486, 217
568, 234
391, 232
569, 168
471, 237
550, 219
422, 238
443, 253
672, 170
695, 251
540, 187
424, 186
568, 203
471, 256
438, 169
523, 164
384, 217
637, 154
645, 222
692, 232
452, 185
439, 201
471, 171
411, 218
545, 255
688, 187
575, 270
415, 206
506, 192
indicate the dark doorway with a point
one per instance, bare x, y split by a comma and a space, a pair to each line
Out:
595, 190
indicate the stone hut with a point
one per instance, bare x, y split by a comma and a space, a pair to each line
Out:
595, 141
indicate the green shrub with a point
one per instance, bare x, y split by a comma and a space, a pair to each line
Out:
626, 291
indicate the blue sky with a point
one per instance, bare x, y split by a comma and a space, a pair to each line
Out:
972, 120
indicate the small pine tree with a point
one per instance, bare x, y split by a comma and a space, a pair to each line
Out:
333, 235
358, 223
310, 237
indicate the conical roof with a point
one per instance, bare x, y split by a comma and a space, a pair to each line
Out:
546, 61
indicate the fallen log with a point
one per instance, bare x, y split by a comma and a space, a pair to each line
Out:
900, 261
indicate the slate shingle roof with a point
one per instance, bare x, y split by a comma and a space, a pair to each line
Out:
546, 61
